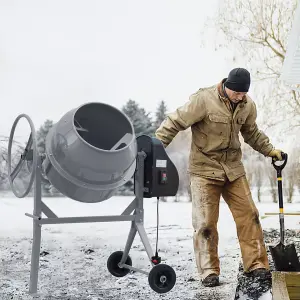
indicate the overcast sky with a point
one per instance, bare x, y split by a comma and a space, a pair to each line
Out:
57, 55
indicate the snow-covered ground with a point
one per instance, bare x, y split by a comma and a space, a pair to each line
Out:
70, 271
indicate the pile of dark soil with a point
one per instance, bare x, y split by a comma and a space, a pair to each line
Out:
253, 288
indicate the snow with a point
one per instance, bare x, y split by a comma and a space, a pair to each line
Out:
266, 296
70, 271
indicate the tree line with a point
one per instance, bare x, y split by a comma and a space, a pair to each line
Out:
260, 173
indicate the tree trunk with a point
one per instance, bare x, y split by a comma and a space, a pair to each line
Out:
258, 194
290, 191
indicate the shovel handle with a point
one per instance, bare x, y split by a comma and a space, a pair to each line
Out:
280, 194
279, 168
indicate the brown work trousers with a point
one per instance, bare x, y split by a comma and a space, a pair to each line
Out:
206, 194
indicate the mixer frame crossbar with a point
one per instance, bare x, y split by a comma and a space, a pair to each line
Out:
135, 207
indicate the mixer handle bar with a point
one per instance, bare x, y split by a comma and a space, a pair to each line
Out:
79, 127
124, 140
23, 157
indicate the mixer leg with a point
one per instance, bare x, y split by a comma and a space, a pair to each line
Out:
129, 242
145, 241
35, 257
139, 211
36, 243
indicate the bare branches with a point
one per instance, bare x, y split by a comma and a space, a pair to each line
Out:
296, 97
258, 32
274, 49
256, 23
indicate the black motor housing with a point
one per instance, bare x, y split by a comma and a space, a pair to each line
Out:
160, 174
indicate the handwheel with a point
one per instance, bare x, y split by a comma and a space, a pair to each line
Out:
113, 261
29, 154
162, 278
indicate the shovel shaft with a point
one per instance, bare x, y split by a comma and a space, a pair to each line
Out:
279, 180
281, 212
281, 220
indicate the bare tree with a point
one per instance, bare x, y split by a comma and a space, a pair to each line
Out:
271, 175
189, 190
17, 151
249, 163
178, 152
259, 172
290, 185
3, 160
259, 182
180, 161
254, 167
163, 199
290, 174
297, 170
258, 30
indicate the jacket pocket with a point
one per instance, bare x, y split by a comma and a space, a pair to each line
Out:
201, 140
218, 118
219, 128
240, 121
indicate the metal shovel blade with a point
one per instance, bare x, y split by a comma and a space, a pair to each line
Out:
285, 257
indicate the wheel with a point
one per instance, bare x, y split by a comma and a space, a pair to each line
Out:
162, 278
30, 154
113, 261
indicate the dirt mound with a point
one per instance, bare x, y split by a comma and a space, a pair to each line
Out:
251, 288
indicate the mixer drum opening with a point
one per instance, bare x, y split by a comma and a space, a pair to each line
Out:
101, 126
91, 152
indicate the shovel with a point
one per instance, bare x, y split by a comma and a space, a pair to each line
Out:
284, 256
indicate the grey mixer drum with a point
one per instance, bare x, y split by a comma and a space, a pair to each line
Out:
90, 152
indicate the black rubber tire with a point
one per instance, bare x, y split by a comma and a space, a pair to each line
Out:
155, 275
112, 264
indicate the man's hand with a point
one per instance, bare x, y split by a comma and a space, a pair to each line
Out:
276, 153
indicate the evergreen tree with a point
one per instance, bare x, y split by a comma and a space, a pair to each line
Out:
3, 163
142, 124
47, 188
141, 120
160, 114
41, 136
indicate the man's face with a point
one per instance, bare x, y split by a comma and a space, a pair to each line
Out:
235, 96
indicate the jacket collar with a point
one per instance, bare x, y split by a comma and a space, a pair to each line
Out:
221, 94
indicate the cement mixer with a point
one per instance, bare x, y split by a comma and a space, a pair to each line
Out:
90, 153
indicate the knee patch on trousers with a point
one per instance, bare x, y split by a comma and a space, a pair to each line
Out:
256, 218
206, 232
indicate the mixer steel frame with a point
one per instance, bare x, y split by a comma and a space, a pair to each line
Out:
136, 219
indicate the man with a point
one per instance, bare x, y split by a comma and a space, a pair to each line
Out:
216, 115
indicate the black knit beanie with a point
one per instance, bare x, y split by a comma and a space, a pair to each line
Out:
238, 80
